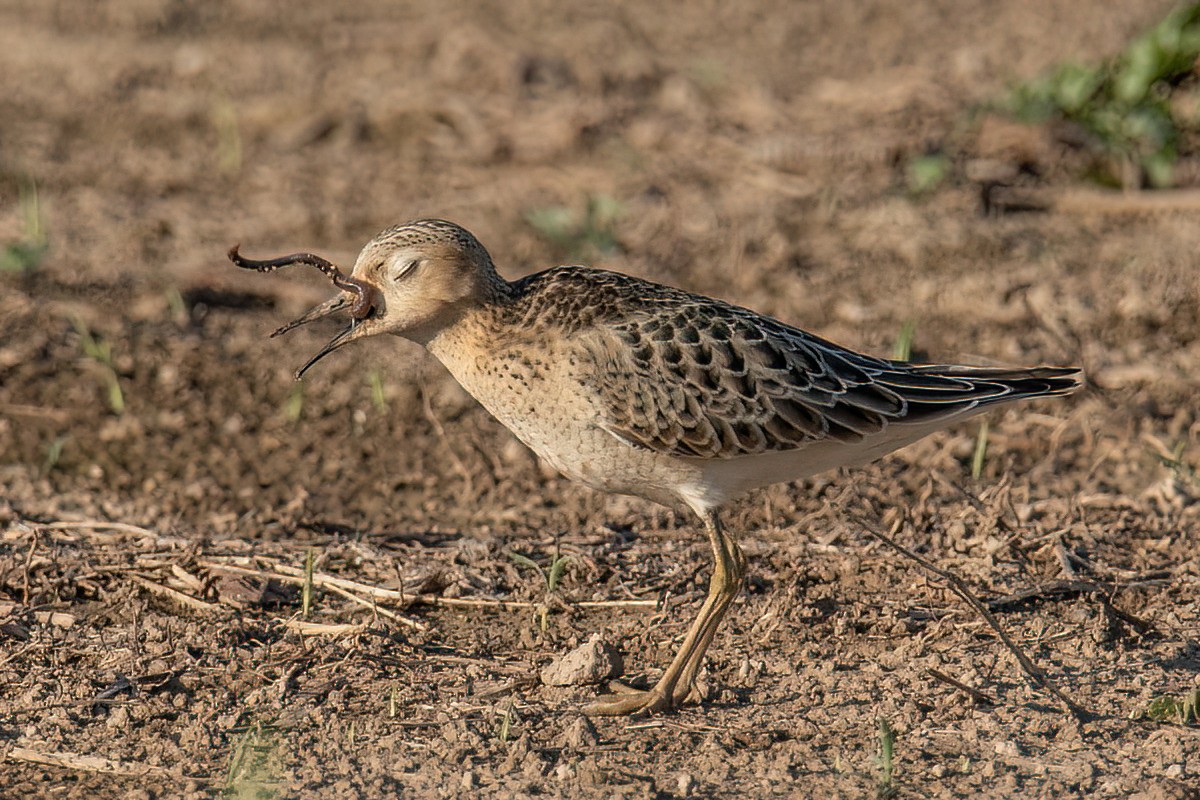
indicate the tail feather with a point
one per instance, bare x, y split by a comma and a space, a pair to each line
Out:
933, 396
934, 391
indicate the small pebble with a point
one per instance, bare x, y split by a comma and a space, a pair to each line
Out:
1007, 748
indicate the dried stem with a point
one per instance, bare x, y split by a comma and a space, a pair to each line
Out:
1035, 673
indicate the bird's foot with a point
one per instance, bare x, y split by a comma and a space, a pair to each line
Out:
631, 703
643, 702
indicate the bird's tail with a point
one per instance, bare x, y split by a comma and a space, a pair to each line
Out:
939, 391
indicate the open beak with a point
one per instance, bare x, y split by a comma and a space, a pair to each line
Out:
348, 334
326, 309
357, 328
359, 298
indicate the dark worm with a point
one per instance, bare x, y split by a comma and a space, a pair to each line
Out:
359, 309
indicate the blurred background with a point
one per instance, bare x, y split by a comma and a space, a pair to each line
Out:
990, 181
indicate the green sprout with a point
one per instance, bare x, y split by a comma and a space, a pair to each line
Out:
293, 407
550, 579
229, 138
25, 255
393, 701
307, 592
1184, 710
580, 236
979, 457
504, 727
1183, 471
54, 453
926, 172
902, 350
378, 396
886, 759
254, 766
177, 305
99, 350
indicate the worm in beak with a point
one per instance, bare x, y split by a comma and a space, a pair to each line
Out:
359, 300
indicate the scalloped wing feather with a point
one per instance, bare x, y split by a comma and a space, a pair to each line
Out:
717, 381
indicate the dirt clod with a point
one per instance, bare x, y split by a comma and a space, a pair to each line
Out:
592, 662
580, 732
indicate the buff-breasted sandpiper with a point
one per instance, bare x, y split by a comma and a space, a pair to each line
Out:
637, 388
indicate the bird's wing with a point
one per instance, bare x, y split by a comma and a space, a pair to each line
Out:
718, 381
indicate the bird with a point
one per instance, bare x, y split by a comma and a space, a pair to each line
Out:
638, 388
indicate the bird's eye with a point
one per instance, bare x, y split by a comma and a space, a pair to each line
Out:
399, 270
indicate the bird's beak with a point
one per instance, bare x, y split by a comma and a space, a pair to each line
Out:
357, 329
326, 309
358, 297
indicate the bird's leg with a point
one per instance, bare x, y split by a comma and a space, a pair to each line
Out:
678, 683
735, 573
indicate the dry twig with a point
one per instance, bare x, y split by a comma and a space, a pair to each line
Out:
1094, 201
1065, 588
1034, 672
289, 574
323, 629
375, 607
95, 525
440, 430
84, 763
976, 695
21, 410
174, 594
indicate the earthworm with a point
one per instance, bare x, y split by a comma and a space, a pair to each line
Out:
359, 309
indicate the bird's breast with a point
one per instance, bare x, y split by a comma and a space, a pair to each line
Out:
543, 397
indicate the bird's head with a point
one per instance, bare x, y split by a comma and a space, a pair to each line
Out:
413, 280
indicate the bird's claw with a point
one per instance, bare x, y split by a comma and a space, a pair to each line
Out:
632, 703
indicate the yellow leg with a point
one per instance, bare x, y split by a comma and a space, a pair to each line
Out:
678, 683
686, 689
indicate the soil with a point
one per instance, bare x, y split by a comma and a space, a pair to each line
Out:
153, 638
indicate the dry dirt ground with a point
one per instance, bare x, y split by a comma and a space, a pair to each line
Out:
152, 641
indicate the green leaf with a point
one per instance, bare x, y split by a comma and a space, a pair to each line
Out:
1164, 709
902, 350
524, 561
22, 256
1075, 86
926, 173
1160, 169
979, 457
116, 398
555, 223
556, 572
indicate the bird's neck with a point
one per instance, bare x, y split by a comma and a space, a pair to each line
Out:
476, 328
